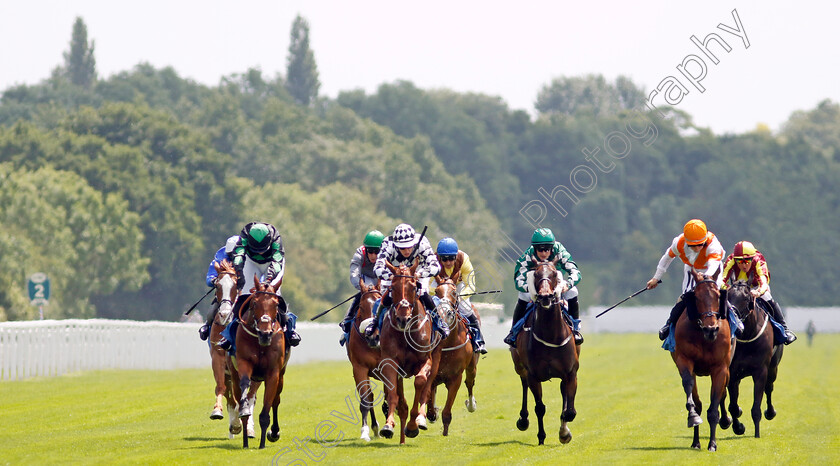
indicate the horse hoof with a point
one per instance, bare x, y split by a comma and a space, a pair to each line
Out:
695, 446
235, 429
421, 422
522, 424
725, 422
471, 405
712, 446
564, 439
273, 437
217, 414
738, 428
769, 414
694, 420
411, 433
387, 431
375, 429
433, 414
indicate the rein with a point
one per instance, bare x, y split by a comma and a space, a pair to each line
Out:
249, 300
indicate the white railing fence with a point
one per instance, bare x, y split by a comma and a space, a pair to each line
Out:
56, 347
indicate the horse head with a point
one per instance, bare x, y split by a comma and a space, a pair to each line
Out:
449, 299
740, 298
545, 283
226, 291
265, 304
707, 298
369, 295
404, 294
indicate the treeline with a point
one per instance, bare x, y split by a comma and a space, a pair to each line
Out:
121, 189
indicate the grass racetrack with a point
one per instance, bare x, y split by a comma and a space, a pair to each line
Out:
630, 408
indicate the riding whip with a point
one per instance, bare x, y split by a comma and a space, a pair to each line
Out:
417, 246
625, 299
339, 304
481, 292
200, 300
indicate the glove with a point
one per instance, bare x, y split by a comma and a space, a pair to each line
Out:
240, 281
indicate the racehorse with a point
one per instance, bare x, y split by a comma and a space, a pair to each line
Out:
226, 293
261, 355
755, 355
406, 347
547, 351
364, 359
703, 348
456, 354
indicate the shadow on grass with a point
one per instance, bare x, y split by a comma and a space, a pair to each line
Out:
219, 443
704, 441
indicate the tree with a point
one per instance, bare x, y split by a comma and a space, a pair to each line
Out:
79, 62
301, 72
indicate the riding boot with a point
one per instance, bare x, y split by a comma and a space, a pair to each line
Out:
678, 308
223, 342
574, 311
429, 304
348, 319
723, 309
204, 330
384, 303
518, 313
779, 317
478, 347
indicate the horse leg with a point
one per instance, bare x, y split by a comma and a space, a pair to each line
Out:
402, 409
569, 389
732, 388
539, 407
363, 391
522, 422
274, 433
720, 377
472, 370
218, 364
245, 408
269, 397
235, 426
431, 414
689, 384
252, 400
416, 419
772, 373
391, 380
451, 393
759, 382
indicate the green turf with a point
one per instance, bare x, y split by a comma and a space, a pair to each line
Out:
630, 411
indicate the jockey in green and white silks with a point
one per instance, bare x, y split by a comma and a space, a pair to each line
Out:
361, 268
397, 250
260, 251
544, 247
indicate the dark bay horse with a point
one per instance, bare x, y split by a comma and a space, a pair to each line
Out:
456, 353
547, 350
364, 359
703, 348
261, 355
226, 293
406, 343
755, 356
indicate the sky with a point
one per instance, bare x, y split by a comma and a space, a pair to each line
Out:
506, 49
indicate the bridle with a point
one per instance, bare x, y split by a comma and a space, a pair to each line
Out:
711, 313
548, 302
265, 318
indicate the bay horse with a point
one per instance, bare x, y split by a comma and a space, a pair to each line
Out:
703, 348
406, 344
261, 355
456, 353
755, 356
546, 351
364, 358
226, 293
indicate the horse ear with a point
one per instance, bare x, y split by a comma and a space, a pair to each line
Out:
362, 287
698, 277
217, 266
456, 276
715, 276
555, 261
414, 267
390, 267
257, 284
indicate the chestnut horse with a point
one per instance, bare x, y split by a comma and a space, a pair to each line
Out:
406, 343
703, 348
261, 355
755, 356
226, 293
456, 353
546, 350
364, 359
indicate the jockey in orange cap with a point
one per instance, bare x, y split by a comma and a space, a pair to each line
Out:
748, 264
700, 251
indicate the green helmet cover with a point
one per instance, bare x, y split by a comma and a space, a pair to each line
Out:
542, 236
374, 239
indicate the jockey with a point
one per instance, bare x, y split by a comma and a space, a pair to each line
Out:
752, 268
452, 261
399, 249
224, 252
259, 250
545, 248
699, 250
361, 268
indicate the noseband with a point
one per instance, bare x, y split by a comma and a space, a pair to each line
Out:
715, 313
264, 318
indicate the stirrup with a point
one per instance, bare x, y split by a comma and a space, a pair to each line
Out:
204, 332
664, 331
294, 338
479, 348
224, 343
790, 337
578, 337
